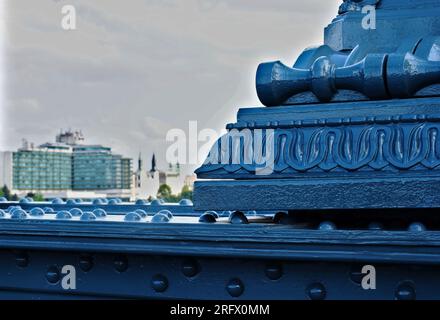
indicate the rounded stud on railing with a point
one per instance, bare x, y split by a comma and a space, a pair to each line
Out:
156, 202
97, 202
132, 217
185, 202
121, 263
37, 212
159, 283
405, 291
70, 202
316, 291
64, 215
190, 268
48, 210
57, 201
141, 212
100, 213
141, 202
327, 226
24, 201
88, 216
19, 214
12, 208
112, 202
3, 200
53, 275
2, 214
160, 218
78, 201
417, 227
76, 212
274, 271
235, 288
86, 263
167, 213
208, 217
238, 217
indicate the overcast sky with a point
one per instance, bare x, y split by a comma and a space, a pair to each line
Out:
135, 69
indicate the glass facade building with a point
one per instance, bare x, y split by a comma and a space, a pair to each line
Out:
45, 168
96, 168
65, 167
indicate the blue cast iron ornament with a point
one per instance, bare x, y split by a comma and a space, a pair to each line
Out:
354, 124
329, 191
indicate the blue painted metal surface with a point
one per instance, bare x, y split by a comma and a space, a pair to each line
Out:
354, 182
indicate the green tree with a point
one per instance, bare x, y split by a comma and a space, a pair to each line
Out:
6, 192
164, 192
38, 197
186, 193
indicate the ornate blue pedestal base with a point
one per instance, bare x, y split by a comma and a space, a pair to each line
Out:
382, 154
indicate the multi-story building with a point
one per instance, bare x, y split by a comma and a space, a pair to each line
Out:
48, 167
67, 169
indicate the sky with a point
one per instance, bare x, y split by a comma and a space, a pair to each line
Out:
134, 69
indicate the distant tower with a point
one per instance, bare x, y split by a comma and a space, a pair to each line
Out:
140, 162
153, 163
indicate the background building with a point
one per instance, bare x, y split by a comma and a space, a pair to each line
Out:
66, 169
147, 182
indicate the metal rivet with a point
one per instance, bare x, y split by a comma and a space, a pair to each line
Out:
48, 210
53, 275
417, 227
121, 263
159, 283
88, 216
22, 259
141, 202
274, 271
208, 217
167, 213
316, 291
86, 263
185, 202
327, 226
156, 203
64, 215
405, 291
238, 217
36, 212
57, 201
356, 274
76, 212
19, 214
132, 217
2, 213
235, 288
142, 213
100, 213
70, 202
190, 268
113, 202
160, 218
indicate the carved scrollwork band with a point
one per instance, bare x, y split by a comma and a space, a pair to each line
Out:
379, 147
